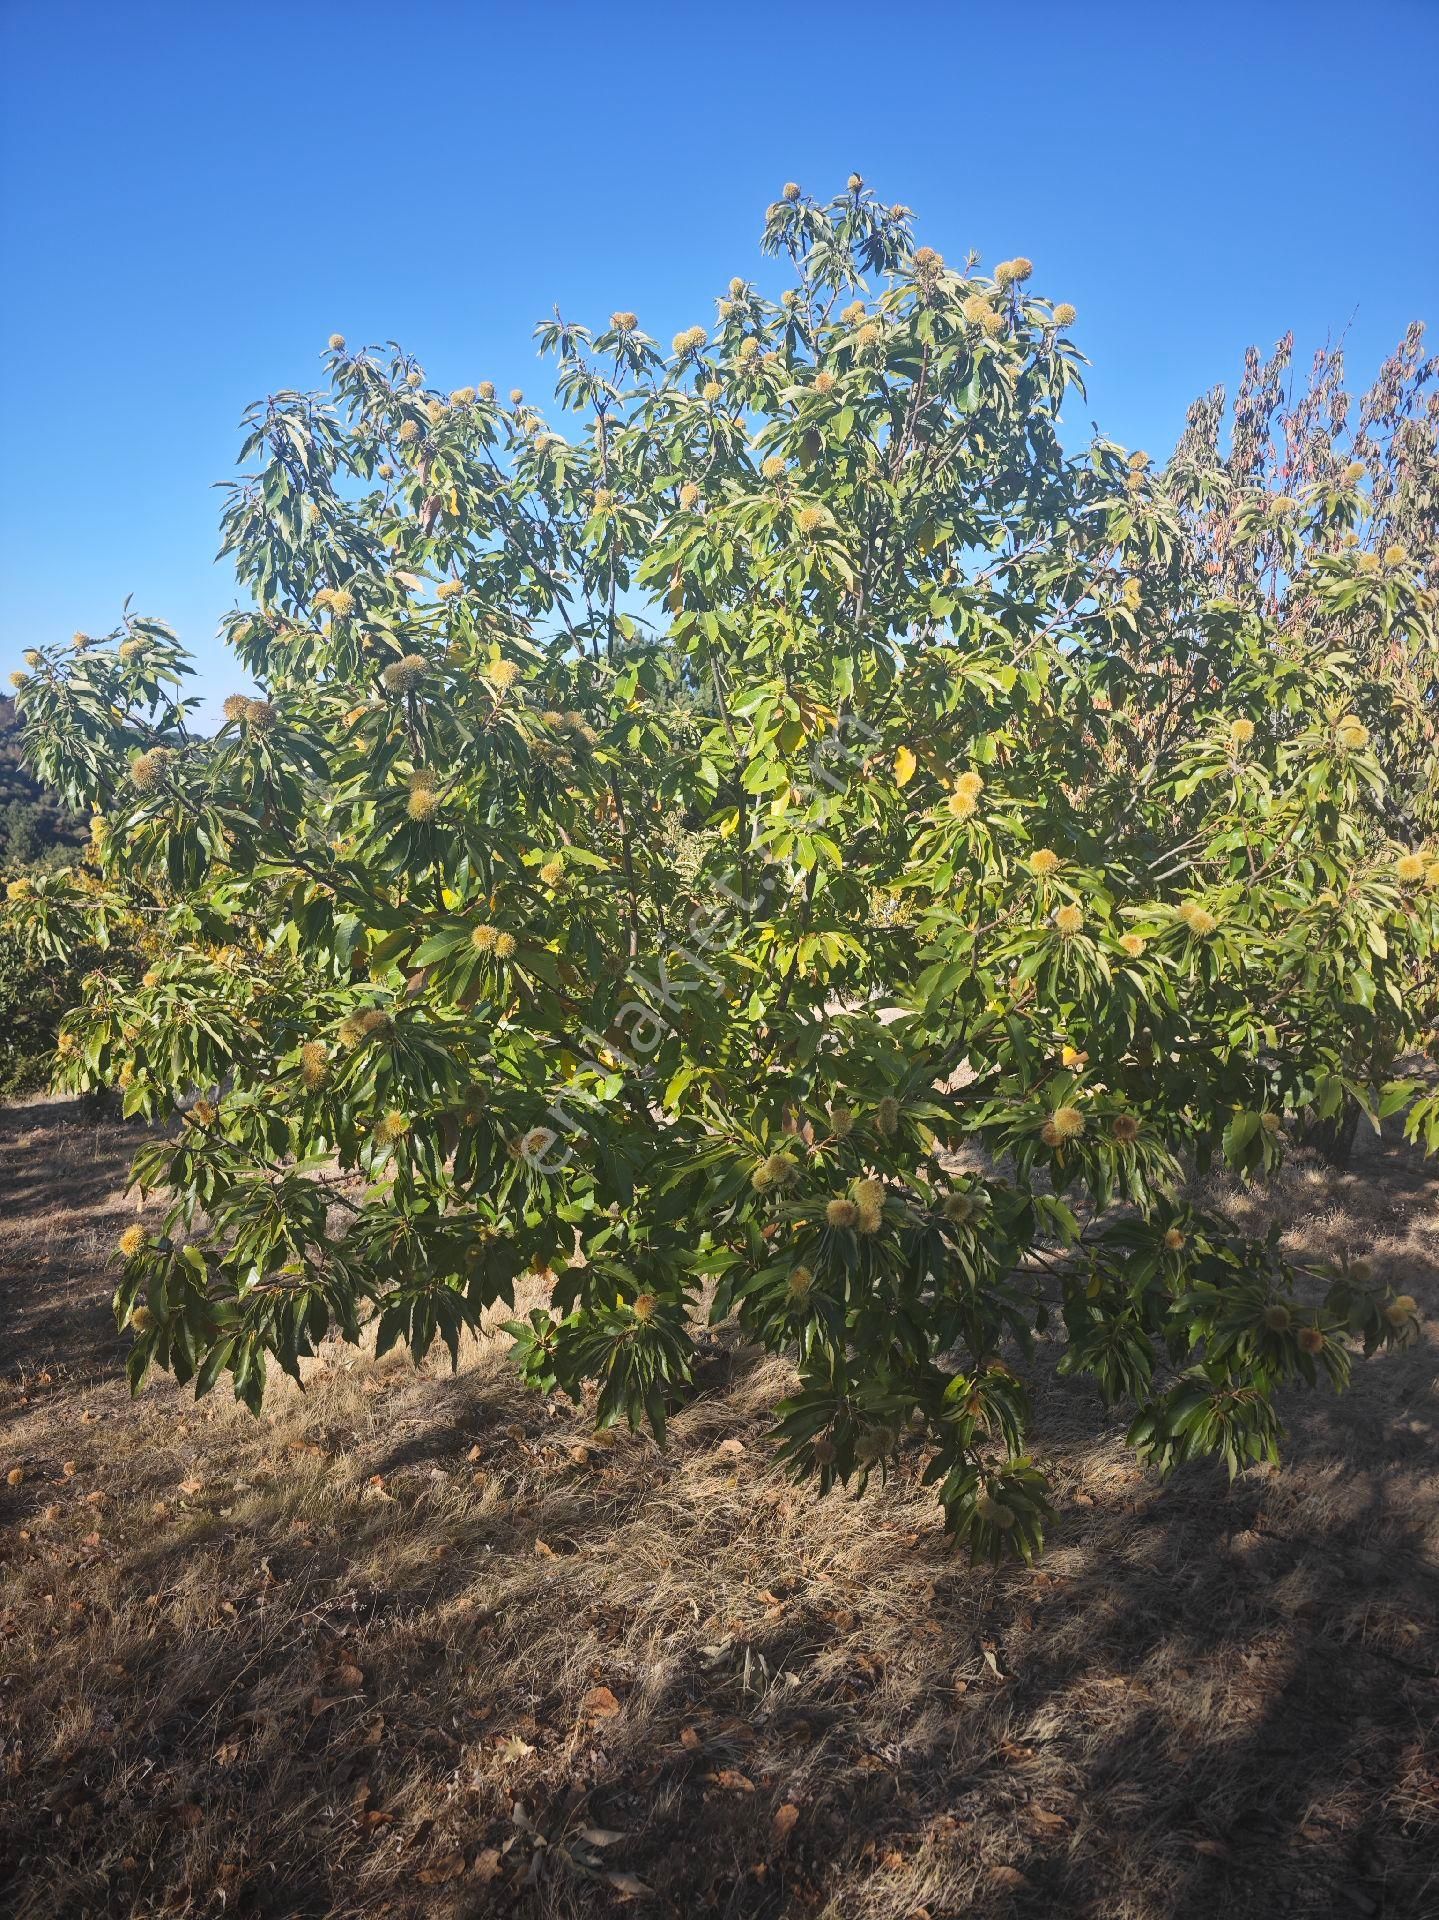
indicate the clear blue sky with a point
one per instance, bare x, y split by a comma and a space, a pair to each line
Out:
195, 195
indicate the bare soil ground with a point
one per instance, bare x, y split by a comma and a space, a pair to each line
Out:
415, 1643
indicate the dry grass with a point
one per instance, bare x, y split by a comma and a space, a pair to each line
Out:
416, 1644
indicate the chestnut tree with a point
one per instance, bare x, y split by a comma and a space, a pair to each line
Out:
775, 837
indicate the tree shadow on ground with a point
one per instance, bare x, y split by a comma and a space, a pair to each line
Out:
419, 1643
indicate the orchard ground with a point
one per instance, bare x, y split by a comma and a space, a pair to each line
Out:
419, 1643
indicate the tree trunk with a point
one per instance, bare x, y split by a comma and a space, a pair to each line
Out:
1333, 1139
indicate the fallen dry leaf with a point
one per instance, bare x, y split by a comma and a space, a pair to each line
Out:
627, 1883
783, 1824
732, 1780
450, 1867
1007, 1877
600, 1704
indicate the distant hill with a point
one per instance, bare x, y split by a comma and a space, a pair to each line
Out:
32, 819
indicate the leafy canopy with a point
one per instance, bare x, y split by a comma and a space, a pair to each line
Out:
779, 835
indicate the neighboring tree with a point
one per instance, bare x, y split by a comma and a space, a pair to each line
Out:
36, 989
32, 822
35, 996
797, 841
1265, 528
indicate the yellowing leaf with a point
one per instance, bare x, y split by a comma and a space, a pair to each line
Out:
904, 767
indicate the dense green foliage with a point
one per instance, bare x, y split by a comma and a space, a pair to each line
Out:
32, 822
34, 998
36, 991
797, 837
